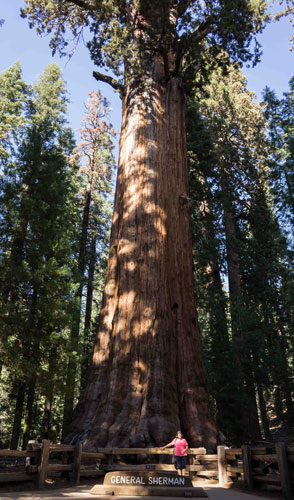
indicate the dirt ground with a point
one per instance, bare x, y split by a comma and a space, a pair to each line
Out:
67, 491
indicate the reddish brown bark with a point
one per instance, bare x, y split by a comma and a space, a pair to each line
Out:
148, 378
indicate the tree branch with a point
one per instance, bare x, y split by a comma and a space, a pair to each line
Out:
197, 36
100, 77
82, 4
203, 28
182, 7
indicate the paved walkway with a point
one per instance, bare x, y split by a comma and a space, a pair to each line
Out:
82, 493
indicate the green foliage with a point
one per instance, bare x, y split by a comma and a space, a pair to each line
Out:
13, 97
280, 115
235, 170
127, 36
288, 11
38, 234
44, 187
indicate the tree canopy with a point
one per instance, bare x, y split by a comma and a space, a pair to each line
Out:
126, 35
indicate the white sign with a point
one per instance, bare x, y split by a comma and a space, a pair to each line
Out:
152, 481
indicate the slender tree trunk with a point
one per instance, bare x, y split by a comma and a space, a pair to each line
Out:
278, 404
47, 416
263, 413
280, 369
148, 377
88, 316
250, 421
68, 410
29, 414
223, 385
46, 424
287, 386
32, 355
18, 413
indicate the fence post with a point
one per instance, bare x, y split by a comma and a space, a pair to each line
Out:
221, 465
110, 458
32, 445
284, 470
247, 467
42, 468
77, 462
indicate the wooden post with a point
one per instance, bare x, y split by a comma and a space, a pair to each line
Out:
221, 465
32, 445
247, 467
284, 470
42, 469
110, 458
77, 462
190, 462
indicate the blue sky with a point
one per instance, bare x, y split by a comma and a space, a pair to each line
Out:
18, 42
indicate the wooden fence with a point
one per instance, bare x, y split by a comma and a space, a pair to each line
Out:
256, 466
36, 463
259, 466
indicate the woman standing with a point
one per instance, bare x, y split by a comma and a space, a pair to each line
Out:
181, 448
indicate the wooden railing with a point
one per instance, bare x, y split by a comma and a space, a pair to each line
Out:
258, 466
255, 466
37, 466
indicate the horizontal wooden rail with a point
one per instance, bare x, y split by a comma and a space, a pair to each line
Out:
18, 453
232, 468
265, 458
61, 447
6, 477
90, 473
273, 479
147, 451
136, 467
261, 450
207, 457
59, 467
233, 451
88, 454
208, 473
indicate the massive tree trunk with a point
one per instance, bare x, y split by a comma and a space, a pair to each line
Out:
147, 378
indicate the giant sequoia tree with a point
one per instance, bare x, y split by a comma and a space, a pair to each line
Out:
147, 376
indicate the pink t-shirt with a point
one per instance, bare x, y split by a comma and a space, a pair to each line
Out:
180, 445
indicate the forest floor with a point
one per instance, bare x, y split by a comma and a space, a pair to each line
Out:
82, 492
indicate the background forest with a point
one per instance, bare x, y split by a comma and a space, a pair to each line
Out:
55, 220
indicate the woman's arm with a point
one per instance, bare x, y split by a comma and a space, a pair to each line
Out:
185, 450
168, 445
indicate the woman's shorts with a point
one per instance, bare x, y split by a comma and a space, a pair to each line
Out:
180, 462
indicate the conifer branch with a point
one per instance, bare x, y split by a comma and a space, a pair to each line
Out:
203, 29
100, 77
82, 4
182, 7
